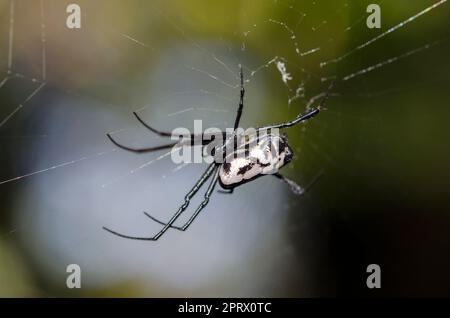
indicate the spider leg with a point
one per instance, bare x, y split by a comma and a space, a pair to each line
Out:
295, 188
161, 222
184, 227
241, 100
205, 176
156, 131
141, 150
163, 133
302, 117
169, 134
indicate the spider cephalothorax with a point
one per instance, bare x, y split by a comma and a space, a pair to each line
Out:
260, 153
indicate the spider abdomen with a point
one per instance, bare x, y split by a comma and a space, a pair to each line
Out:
266, 156
237, 171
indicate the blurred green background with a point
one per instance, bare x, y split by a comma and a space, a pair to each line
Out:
382, 141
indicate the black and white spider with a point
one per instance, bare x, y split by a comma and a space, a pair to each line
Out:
268, 152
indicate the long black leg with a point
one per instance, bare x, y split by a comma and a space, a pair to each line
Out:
161, 222
141, 150
197, 137
302, 117
208, 193
163, 133
205, 176
156, 131
241, 100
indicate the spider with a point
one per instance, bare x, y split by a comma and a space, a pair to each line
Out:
269, 153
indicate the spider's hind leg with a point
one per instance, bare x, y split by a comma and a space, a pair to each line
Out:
295, 188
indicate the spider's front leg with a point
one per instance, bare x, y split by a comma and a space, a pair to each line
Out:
161, 133
184, 227
300, 118
211, 169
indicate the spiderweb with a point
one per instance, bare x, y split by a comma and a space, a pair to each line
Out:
63, 103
